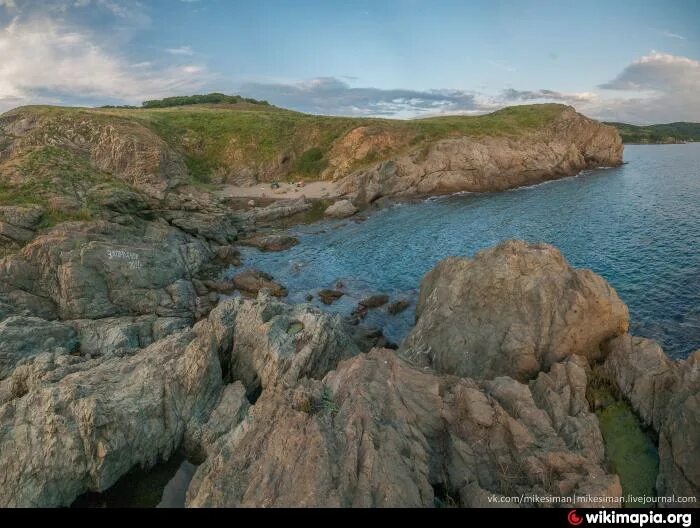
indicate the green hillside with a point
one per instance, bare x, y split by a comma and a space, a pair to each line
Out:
680, 132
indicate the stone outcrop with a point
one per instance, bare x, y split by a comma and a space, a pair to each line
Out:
340, 209
18, 224
377, 432
26, 337
253, 281
481, 164
514, 310
71, 424
666, 396
100, 269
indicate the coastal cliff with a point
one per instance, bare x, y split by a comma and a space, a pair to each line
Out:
565, 146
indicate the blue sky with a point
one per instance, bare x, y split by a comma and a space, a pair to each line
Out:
630, 60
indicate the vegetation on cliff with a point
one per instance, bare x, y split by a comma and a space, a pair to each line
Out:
668, 133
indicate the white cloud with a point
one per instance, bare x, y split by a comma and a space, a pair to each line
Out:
511, 94
328, 95
665, 88
670, 34
182, 50
44, 60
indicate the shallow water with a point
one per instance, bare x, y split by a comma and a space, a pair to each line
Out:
637, 225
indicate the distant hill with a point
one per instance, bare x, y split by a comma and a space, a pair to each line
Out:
669, 133
186, 100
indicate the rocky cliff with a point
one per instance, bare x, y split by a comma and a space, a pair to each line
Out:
567, 145
284, 409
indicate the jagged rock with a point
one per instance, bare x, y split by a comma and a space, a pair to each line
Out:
122, 335
18, 224
329, 296
270, 242
377, 432
227, 255
252, 281
514, 309
276, 343
70, 425
666, 395
25, 337
340, 209
220, 228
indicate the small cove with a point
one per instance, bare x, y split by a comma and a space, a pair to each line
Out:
637, 225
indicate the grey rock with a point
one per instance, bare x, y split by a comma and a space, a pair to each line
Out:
25, 337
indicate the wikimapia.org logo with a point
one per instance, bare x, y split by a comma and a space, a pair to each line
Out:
637, 519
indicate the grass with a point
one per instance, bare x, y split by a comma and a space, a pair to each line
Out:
257, 136
651, 134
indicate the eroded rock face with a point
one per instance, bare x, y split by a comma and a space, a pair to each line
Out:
514, 310
276, 343
377, 432
568, 145
25, 337
666, 395
18, 224
69, 424
100, 269
128, 150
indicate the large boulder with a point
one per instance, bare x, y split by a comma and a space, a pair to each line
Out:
666, 396
377, 432
18, 224
515, 309
25, 337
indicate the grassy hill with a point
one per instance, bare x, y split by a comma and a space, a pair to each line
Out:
668, 133
56, 157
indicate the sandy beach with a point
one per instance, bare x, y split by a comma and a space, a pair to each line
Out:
317, 189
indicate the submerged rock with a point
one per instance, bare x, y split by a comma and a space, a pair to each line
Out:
398, 306
252, 281
329, 296
270, 242
515, 309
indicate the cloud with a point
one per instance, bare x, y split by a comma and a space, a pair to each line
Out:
47, 61
328, 95
511, 94
182, 50
670, 34
665, 88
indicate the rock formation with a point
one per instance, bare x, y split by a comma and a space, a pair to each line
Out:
513, 310
481, 164
666, 395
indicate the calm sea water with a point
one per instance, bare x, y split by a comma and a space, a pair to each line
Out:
637, 225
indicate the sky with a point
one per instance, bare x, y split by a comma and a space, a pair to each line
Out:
636, 61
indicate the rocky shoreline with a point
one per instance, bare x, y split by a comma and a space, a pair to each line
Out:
121, 344
258, 383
